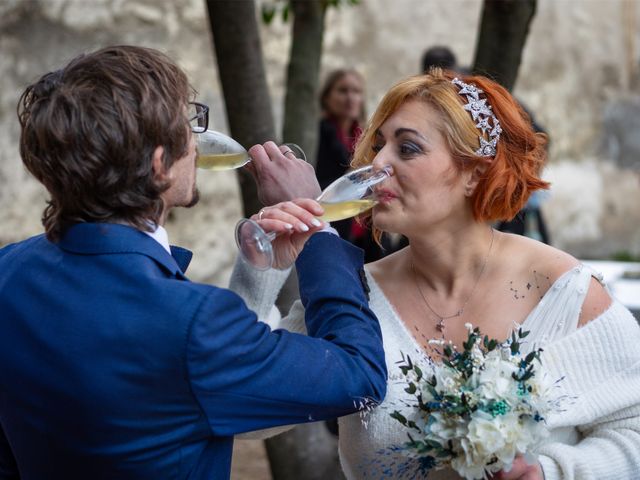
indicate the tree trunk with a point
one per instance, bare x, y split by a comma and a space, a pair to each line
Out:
308, 452
503, 32
301, 103
244, 84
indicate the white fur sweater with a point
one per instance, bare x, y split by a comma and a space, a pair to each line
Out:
597, 438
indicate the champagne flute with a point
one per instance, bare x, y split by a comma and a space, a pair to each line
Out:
346, 197
217, 151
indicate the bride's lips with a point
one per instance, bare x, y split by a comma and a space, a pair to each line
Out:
385, 196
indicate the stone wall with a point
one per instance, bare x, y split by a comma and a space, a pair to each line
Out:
40, 36
579, 76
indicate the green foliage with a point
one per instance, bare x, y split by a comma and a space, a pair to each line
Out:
625, 256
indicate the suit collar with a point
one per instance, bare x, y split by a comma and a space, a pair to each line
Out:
109, 238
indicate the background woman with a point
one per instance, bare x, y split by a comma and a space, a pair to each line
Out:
342, 105
343, 114
464, 155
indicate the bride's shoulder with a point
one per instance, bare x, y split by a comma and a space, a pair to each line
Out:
531, 257
545, 264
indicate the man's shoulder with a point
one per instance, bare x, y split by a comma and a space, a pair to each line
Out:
189, 296
13, 248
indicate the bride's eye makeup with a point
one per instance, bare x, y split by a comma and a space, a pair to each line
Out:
409, 149
378, 142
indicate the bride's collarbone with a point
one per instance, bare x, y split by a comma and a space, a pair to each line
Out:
494, 313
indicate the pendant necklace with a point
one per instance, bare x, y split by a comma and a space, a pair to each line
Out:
460, 311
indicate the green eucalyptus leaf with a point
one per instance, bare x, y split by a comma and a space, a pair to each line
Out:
268, 12
399, 417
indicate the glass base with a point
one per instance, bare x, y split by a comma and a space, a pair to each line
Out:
254, 244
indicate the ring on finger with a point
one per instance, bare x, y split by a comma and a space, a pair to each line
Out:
288, 151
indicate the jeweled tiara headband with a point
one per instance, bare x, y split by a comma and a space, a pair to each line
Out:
481, 112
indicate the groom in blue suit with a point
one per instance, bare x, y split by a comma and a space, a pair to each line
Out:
113, 365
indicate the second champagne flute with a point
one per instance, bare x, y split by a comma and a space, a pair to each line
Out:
346, 197
217, 151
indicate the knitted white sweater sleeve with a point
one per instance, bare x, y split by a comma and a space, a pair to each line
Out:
259, 290
600, 363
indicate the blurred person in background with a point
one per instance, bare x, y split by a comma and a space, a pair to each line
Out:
343, 114
439, 56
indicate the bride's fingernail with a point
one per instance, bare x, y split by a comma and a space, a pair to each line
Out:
316, 223
288, 226
303, 227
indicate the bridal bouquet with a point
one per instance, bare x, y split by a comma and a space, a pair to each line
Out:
480, 408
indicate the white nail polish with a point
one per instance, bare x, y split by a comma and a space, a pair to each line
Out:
316, 223
304, 228
288, 226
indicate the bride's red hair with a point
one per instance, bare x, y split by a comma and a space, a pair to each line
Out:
510, 177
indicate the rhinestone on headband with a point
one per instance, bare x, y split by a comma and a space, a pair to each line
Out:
482, 114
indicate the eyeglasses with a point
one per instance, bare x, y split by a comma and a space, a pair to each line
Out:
198, 117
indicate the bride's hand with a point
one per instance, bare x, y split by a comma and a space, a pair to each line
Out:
521, 470
293, 223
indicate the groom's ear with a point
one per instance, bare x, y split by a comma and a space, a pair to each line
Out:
160, 172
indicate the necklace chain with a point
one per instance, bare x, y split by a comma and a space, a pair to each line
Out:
460, 311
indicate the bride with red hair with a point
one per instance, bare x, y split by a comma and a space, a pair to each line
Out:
463, 155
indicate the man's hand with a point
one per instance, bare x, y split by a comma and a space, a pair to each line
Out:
293, 223
521, 470
281, 177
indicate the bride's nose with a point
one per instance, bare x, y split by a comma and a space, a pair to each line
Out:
379, 164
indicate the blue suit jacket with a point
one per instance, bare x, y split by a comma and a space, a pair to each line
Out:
113, 365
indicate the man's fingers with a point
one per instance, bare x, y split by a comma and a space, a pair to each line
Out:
275, 153
287, 151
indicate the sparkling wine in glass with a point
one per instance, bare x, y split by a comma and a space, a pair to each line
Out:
346, 197
217, 151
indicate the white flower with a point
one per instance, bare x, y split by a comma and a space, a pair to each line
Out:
467, 463
486, 433
444, 428
448, 380
495, 381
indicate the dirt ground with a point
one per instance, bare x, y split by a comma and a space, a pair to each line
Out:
249, 461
